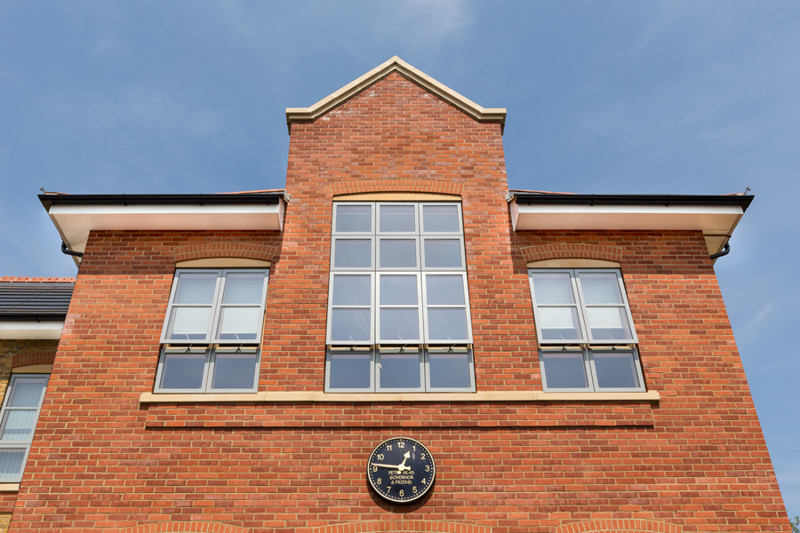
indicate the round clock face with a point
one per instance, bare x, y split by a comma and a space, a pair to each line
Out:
401, 470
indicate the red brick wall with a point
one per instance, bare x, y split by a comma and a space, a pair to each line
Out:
694, 461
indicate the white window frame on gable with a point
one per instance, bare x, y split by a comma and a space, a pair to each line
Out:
398, 303
586, 335
212, 331
17, 423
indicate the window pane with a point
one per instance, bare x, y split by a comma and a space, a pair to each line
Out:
183, 371
559, 323
600, 288
242, 323
552, 288
352, 253
445, 290
564, 370
354, 218
449, 370
350, 324
398, 290
244, 288
440, 218
400, 371
443, 253
399, 324
196, 288
397, 218
234, 371
616, 370
11, 463
26, 392
18, 425
447, 324
608, 323
352, 290
350, 370
398, 253
189, 323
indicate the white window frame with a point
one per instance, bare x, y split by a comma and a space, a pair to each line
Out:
586, 345
209, 367
377, 344
21, 445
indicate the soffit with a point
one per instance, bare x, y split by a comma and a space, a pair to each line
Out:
395, 64
715, 216
75, 216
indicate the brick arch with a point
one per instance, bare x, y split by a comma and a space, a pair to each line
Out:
572, 251
176, 527
397, 185
42, 357
242, 250
631, 525
405, 526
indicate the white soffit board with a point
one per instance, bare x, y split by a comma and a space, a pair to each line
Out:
710, 219
74, 222
717, 222
30, 330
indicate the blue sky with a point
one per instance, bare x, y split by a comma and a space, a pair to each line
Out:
679, 97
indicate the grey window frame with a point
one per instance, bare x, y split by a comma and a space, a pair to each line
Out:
373, 353
210, 353
6, 409
212, 345
586, 344
377, 344
216, 306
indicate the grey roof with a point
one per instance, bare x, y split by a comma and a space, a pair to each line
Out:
27, 299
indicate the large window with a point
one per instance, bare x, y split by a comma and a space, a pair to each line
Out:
21, 408
398, 307
586, 334
211, 336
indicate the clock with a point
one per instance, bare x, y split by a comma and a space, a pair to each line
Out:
401, 470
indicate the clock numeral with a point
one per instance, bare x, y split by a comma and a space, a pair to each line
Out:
401, 444
414, 490
402, 493
388, 447
380, 457
427, 468
422, 457
423, 482
379, 481
374, 468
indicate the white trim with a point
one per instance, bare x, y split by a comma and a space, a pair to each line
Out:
716, 222
23, 329
395, 64
74, 222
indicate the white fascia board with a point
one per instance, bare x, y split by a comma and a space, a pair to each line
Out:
74, 222
47, 330
717, 222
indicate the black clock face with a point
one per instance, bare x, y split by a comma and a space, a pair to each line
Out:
401, 470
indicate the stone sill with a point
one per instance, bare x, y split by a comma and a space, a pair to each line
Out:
428, 397
9, 487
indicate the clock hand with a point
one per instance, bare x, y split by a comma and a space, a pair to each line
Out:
401, 467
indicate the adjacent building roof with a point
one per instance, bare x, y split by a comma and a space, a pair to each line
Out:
33, 308
715, 215
75, 215
395, 64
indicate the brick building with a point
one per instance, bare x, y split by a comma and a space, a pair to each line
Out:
240, 362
